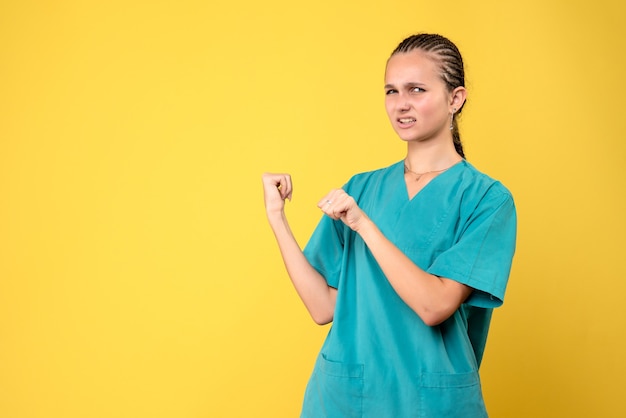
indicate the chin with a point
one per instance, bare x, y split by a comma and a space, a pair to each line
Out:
406, 137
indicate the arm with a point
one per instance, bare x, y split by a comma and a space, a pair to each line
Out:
433, 298
318, 297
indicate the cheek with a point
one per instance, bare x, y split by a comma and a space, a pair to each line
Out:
431, 108
388, 106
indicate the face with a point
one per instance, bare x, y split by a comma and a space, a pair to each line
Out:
417, 100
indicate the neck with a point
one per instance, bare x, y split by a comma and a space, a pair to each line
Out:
423, 157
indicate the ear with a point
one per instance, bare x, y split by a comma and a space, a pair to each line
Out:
457, 98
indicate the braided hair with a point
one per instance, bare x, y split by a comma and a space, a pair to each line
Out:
450, 64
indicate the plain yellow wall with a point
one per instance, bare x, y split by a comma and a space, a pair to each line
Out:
138, 277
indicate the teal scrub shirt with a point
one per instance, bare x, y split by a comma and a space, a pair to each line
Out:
379, 359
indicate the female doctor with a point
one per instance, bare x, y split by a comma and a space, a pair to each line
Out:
408, 261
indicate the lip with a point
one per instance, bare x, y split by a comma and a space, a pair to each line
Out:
405, 125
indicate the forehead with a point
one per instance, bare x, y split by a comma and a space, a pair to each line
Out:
413, 66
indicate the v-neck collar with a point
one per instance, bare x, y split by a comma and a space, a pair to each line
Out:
400, 168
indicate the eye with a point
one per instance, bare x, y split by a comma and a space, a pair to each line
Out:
390, 91
417, 90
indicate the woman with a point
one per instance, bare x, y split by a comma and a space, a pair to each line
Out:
409, 260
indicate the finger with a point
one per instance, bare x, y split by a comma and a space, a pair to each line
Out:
333, 204
288, 189
283, 185
328, 199
280, 182
271, 180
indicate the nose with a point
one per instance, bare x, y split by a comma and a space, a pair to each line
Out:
402, 103
403, 106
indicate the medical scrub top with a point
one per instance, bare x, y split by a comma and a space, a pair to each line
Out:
379, 358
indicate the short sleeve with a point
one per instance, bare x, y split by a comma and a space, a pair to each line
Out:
325, 249
482, 256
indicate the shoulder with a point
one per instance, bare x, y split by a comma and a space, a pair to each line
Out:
480, 185
481, 195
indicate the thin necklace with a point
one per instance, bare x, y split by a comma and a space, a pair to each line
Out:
419, 175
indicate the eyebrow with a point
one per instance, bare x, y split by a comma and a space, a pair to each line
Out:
409, 84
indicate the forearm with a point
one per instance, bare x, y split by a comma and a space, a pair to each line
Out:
433, 298
310, 285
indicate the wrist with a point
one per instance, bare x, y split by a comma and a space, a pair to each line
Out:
363, 225
276, 216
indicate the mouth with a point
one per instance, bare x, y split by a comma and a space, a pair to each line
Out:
406, 121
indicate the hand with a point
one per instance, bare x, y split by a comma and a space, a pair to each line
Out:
276, 188
340, 205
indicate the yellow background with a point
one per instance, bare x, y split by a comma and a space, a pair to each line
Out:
138, 276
